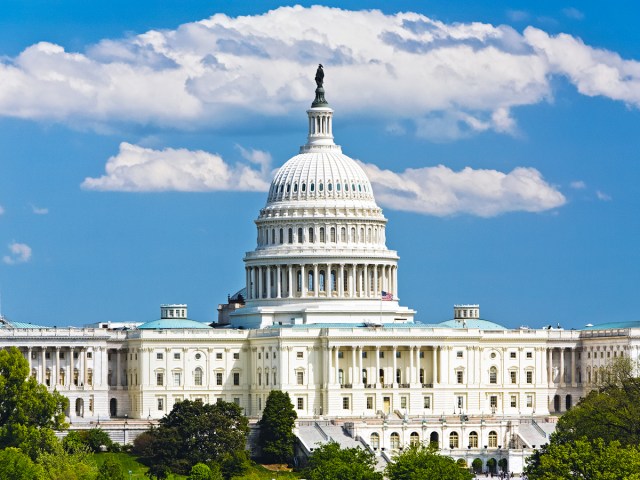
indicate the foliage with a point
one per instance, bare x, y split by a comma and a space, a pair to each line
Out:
93, 439
330, 462
200, 471
16, 465
26, 407
61, 465
194, 432
491, 464
234, 463
503, 464
477, 465
594, 460
276, 428
110, 470
418, 462
142, 444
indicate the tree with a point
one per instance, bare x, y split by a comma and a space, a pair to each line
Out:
330, 462
27, 409
592, 460
200, 471
110, 470
276, 428
477, 465
194, 432
418, 462
16, 465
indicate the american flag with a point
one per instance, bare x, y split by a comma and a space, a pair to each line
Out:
387, 296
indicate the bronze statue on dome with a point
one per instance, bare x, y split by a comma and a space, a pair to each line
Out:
319, 76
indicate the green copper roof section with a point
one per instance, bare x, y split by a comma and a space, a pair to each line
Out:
173, 323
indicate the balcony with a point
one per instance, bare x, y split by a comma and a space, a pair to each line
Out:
403, 385
427, 385
346, 385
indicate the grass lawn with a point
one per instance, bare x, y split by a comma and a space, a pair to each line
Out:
130, 463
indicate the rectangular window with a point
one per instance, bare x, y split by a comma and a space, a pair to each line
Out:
299, 354
421, 354
47, 355
236, 378
161, 404
177, 379
364, 354
514, 401
62, 355
369, 403
529, 401
89, 355
381, 355
266, 355
529, 354
159, 379
514, 376
236, 356
340, 354
459, 354
426, 402
460, 401
460, 376
176, 356
219, 378
236, 400
159, 356
529, 376
512, 354
345, 403
300, 378
493, 401
403, 402
219, 355
398, 354
300, 402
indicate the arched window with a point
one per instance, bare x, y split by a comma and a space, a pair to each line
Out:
282, 188
395, 441
273, 236
333, 235
299, 282
493, 439
341, 376
369, 235
493, 375
300, 237
281, 236
310, 279
346, 187
364, 376
295, 187
454, 440
288, 187
321, 187
311, 239
290, 235
414, 438
361, 234
322, 239
312, 187
330, 187
374, 441
304, 187
333, 280
353, 234
473, 440
338, 187
343, 234
321, 280
197, 376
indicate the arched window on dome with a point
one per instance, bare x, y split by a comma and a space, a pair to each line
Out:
330, 187
299, 282
311, 239
290, 235
333, 280
321, 187
353, 235
282, 188
300, 236
321, 280
359, 187
310, 283
304, 187
312, 187
295, 187
288, 187
343, 235
322, 239
346, 186
338, 187
333, 234
369, 235
281, 236
361, 234
273, 236
353, 187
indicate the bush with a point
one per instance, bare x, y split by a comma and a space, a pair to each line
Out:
477, 465
142, 444
96, 438
110, 470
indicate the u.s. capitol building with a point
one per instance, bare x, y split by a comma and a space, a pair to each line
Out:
319, 318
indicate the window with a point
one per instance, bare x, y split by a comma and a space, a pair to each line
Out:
300, 235
236, 356
161, 404
176, 356
529, 401
375, 441
219, 378
493, 401
426, 402
345, 403
159, 379
311, 239
421, 375
333, 235
460, 401
236, 378
473, 440
299, 354
529, 354
398, 354
159, 356
514, 376
275, 378
514, 401
454, 440
340, 354
322, 239
341, 376
512, 354
381, 355
364, 354
398, 376
47, 355
282, 235
219, 355
198, 356
414, 438
403, 402
259, 378
300, 378
177, 379
493, 375
369, 403
364, 376
395, 441
197, 376
290, 235
266, 355
493, 439
529, 376
89, 355
259, 356
459, 354
460, 376
300, 402
236, 400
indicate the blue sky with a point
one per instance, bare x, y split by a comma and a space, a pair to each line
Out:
137, 140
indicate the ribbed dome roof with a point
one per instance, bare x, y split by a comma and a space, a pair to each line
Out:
322, 175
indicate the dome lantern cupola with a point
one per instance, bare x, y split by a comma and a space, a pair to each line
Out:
320, 120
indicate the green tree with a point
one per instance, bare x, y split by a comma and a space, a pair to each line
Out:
418, 462
96, 438
276, 428
110, 470
60, 465
477, 465
16, 465
200, 471
584, 459
26, 407
330, 462
194, 432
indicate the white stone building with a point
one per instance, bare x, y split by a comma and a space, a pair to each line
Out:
319, 318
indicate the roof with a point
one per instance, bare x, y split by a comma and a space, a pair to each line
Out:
173, 323
613, 325
472, 323
6, 323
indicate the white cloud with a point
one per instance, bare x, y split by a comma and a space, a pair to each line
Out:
139, 169
462, 77
39, 210
573, 13
441, 191
19, 253
603, 196
578, 185
1, 210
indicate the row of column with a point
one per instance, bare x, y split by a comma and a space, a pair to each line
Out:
564, 378
316, 280
62, 371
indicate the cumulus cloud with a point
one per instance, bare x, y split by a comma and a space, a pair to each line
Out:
139, 169
18, 253
603, 196
459, 78
573, 13
39, 210
441, 191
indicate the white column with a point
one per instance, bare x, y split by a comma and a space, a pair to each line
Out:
573, 368
412, 375
315, 280
340, 282
394, 379
353, 366
395, 281
377, 372
562, 379
259, 283
290, 281
337, 364
375, 281
435, 365
278, 282
118, 379
303, 277
43, 364
418, 366
57, 370
367, 287
268, 280
327, 281
550, 366
329, 356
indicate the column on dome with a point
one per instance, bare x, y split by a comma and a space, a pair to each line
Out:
303, 281
340, 282
367, 287
395, 281
328, 287
278, 281
377, 372
375, 281
315, 280
259, 282
290, 281
268, 275
394, 377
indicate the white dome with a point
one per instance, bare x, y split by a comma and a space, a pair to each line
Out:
321, 175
